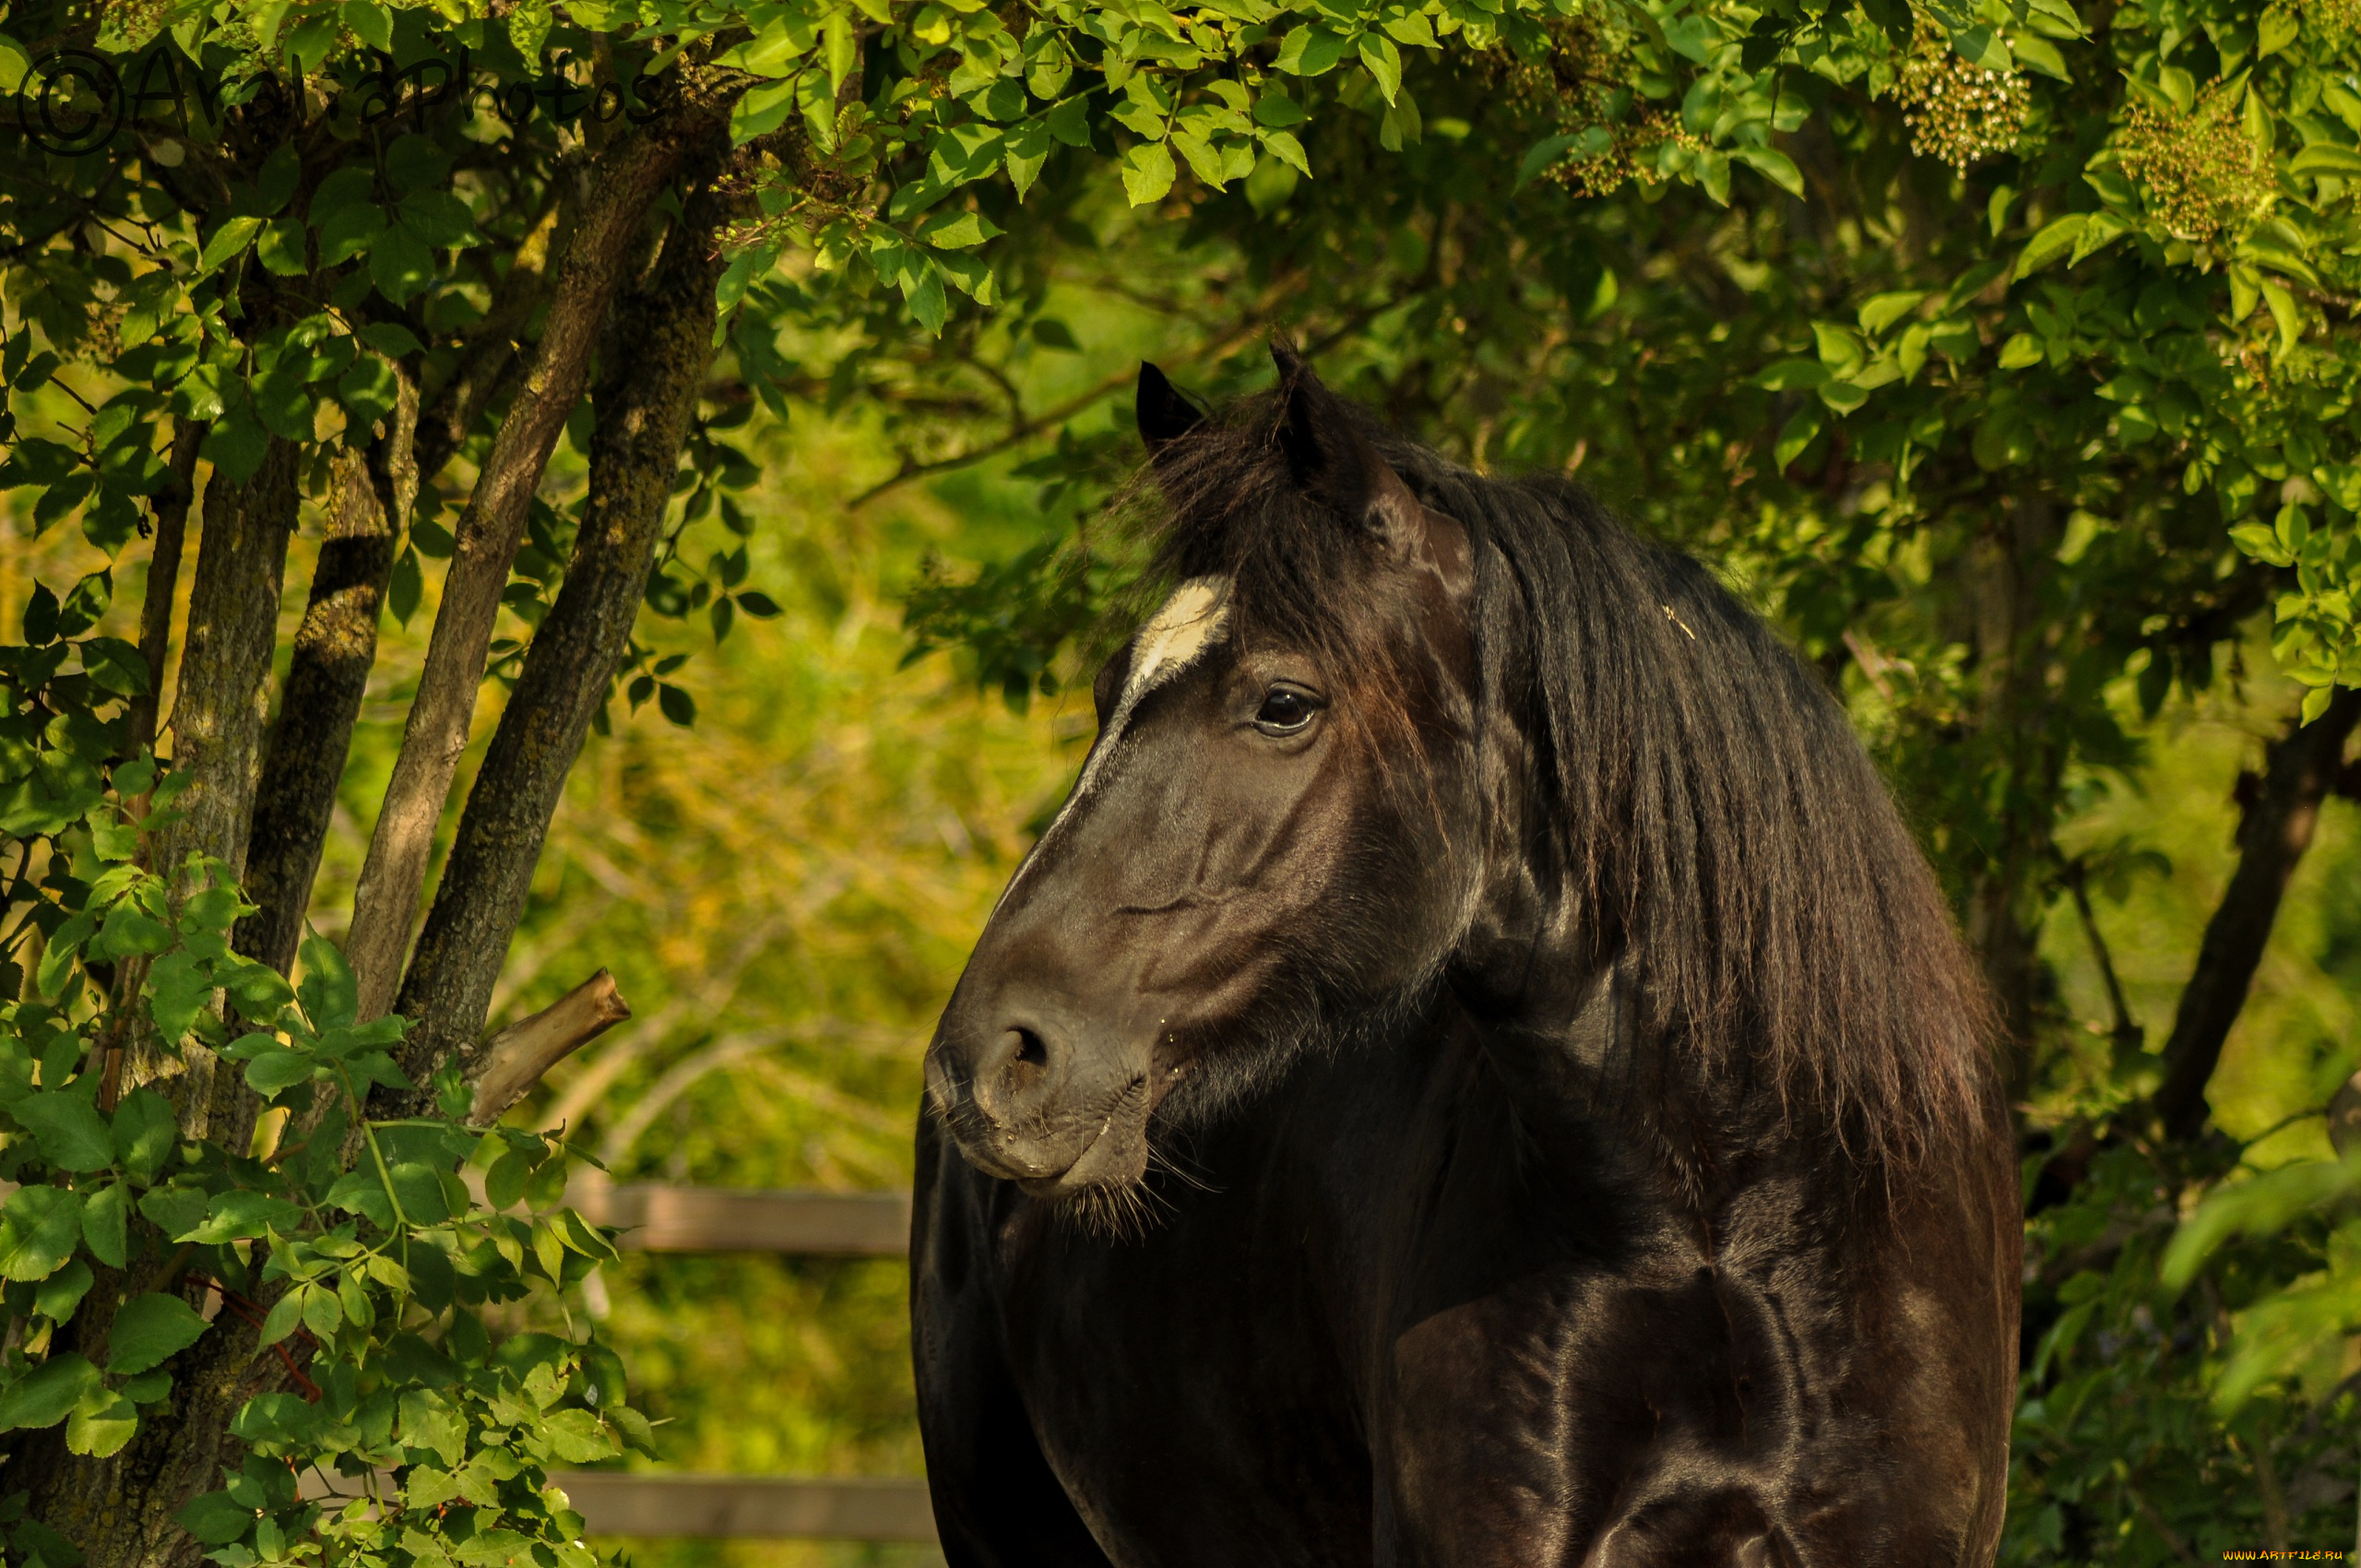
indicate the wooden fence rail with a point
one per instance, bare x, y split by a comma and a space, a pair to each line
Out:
616, 1502
659, 1219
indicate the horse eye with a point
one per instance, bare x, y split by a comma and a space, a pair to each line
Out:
1283, 711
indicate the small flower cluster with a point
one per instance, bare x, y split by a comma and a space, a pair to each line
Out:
2331, 19
1959, 112
2197, 171
1585, 84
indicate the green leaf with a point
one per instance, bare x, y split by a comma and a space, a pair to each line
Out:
2275, 31
281, 250
1070, 121
101, 1423
1283, 146
236, 442
1773, 165
180, 986
71, 1132
761, 110
1274, 110
2021, 351
2283, 311
331, 999
2032, 48
842, 48
59, 1294
1384, 63
1790, 375
2057, 237
2326, 157
419, 1188
346, 231
1539, 157
241, 1215
405, 587
46, 1395
574, 1437
176, 1211
401, 264
1982, 46
214, 1519
279, 1068
322, 1314
285, 1315
430, 1424
370, 24
106, 1225
1028, 146
1310, 51
1148, 172
956, 230
2262, 1206
149, 1330
228, 241
58, 959
39, 1231
1881, 310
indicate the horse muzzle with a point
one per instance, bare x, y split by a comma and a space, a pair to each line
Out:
1025, 1102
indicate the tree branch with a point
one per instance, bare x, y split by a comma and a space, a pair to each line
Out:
652, 369
488, 364
326, 677
623, 184
505, 1068
1023, 430
2274, 832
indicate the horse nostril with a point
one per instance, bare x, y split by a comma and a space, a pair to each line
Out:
1021, 1066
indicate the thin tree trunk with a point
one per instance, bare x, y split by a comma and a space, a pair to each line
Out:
163, 581
651, 371
2003, 924
2274, 832
223, 696
624, 183
488, 364
119, 1509
326, 678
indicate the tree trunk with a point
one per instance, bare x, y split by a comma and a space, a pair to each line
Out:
2274, 832
624, 183
651, 371
119, 1509
326, 678
223, 698
2003, 922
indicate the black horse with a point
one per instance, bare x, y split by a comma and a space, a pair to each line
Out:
1477, 1072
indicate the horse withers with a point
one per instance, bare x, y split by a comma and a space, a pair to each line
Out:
1477, 1072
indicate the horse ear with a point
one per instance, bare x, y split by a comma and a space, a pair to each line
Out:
1164, 413
1334, 461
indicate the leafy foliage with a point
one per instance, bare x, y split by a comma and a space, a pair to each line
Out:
375, 1260
2003, 352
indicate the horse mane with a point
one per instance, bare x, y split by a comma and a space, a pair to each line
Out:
1708, 806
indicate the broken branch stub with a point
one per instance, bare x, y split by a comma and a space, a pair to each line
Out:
505, 1067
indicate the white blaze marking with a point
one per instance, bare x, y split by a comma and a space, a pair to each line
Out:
1174, 637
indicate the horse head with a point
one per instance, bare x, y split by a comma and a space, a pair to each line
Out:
1276, 823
